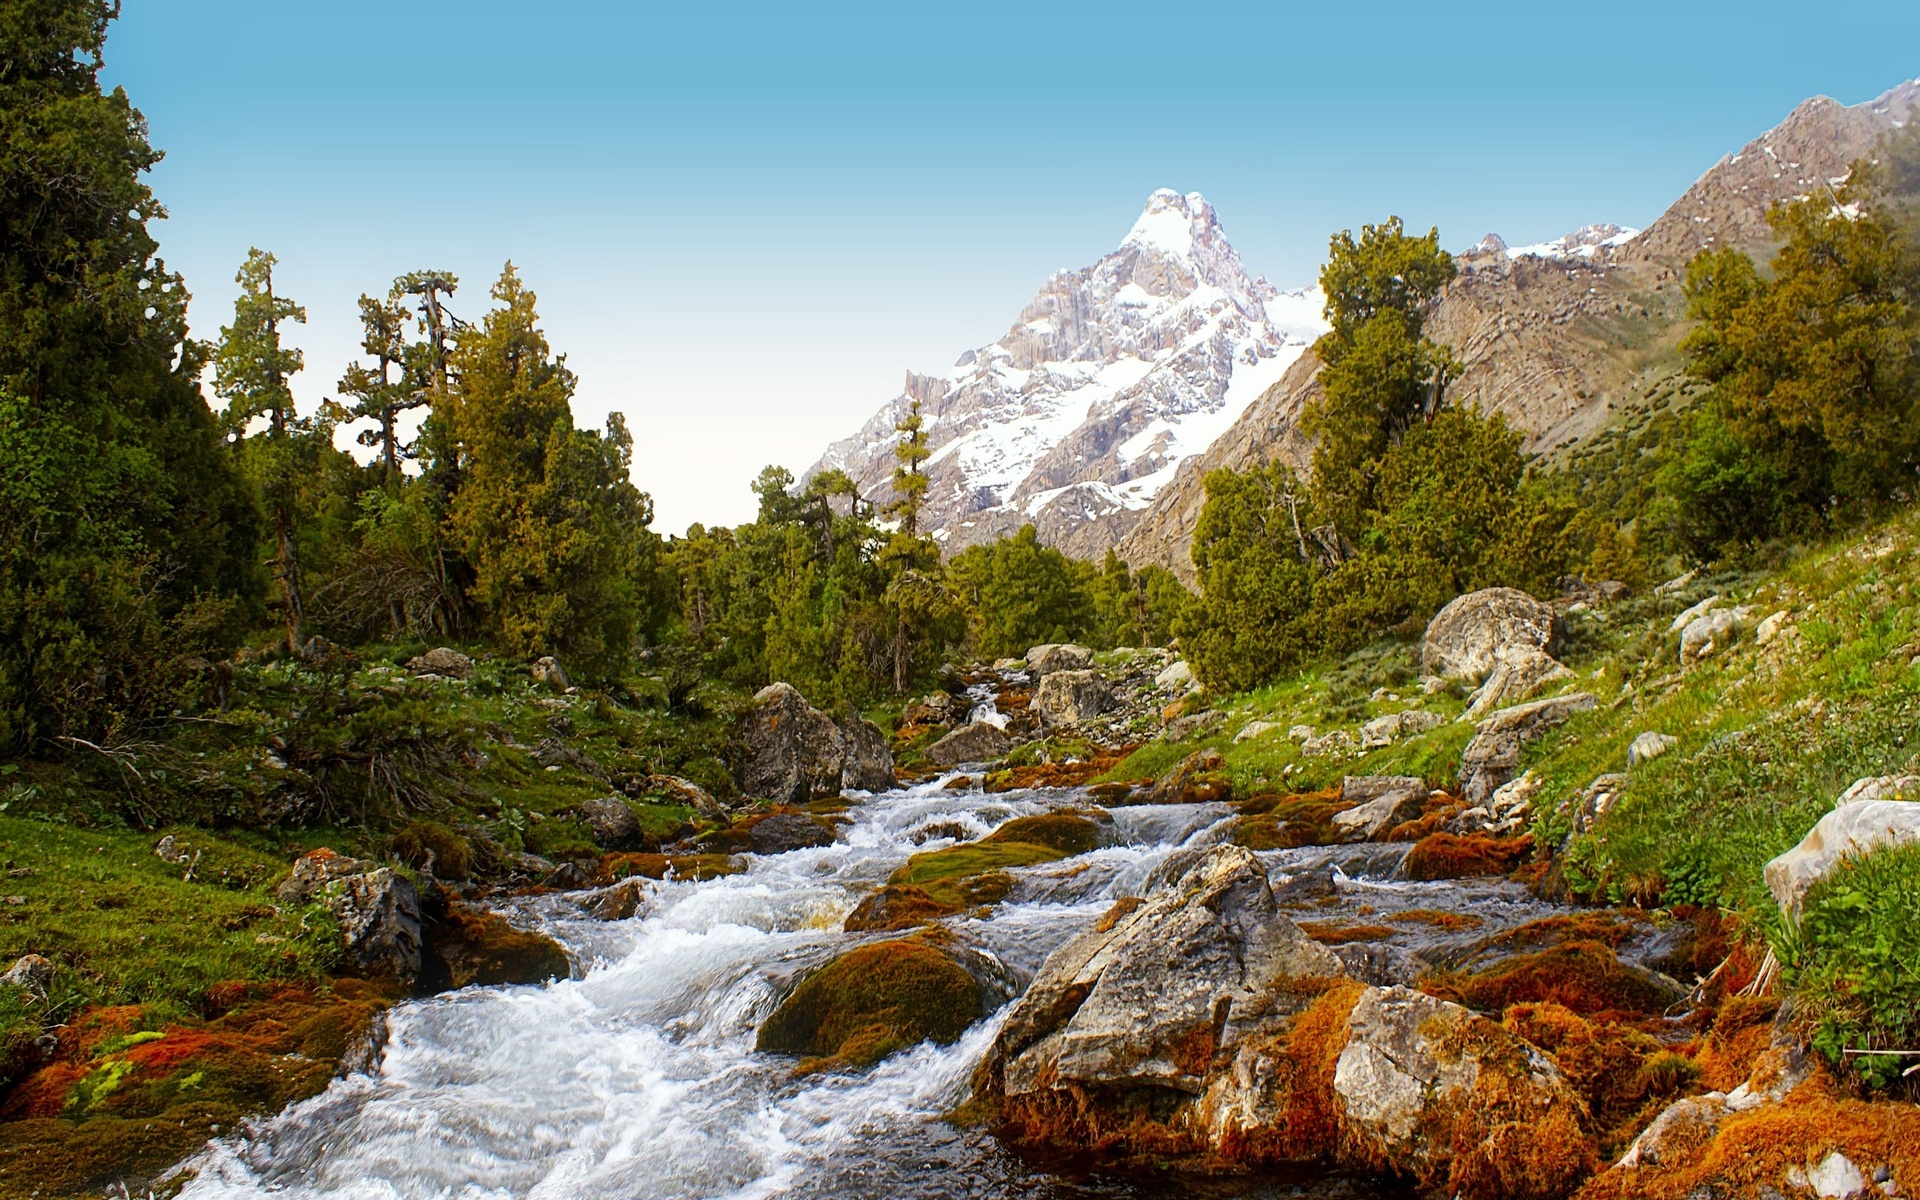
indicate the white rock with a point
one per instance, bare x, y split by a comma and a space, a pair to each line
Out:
1704, 635
1177, 678
1520, 675
1516, 794
1385, 731
1835, 1178
1254, 729
1474, 632
1699, 610
1301, 733
1850, 830
1881, 787
1770, 628
1649, 745
1673, 585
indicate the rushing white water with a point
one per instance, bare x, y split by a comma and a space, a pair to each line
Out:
638, 1079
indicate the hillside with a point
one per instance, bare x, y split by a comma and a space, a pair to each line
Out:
1558, 345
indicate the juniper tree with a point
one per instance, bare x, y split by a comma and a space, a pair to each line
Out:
252, 369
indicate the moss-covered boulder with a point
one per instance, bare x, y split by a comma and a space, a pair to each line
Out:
466, 946
874, 1000
974, 873
1068, 832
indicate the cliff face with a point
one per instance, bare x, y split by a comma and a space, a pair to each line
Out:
1110, 377
1556, 337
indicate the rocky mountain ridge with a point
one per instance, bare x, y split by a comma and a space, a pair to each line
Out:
1559, 339
1109, 378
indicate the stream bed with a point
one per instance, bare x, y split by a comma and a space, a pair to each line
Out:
637, 1079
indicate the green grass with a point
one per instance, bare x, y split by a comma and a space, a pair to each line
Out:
1855, 963
122, 927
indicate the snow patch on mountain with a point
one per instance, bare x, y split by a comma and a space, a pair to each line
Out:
1584, 242
1111, 376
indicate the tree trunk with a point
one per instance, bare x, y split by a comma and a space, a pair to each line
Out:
288, 569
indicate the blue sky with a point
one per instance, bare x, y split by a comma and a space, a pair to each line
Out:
745, 222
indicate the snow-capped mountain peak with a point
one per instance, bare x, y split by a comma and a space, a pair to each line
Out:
1108, 378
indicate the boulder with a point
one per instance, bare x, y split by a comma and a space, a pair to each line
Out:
1380, 803
618, 902
450, 664
781, 832
1858, 824
1648, 746
675, 790
1493, 756
1469, 637
377, 910
1191, 725
1158, 991
1043, 661
1518, 677
1071, 697
938, 708
548, 671
1770, 628
1177, 679
1430, 1089
1385, 731
1189, 783
1704, 635
1254, 729
975, 743
1596, 799
1690, 615
611, 822
29, 971
469, 947
873, 1000
788, 751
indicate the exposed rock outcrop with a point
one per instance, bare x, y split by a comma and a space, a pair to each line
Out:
1380, 803
378, 910
1493, 756
1043, 661
1071, 697
978, 742
1869, 814
1475, 633
787, 751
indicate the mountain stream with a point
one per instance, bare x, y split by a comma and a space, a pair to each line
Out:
637, 1079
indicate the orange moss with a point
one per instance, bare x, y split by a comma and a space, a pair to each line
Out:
1307, 1126
871, 1001
121, 1101
1593, 925
1624, 1075
615, 867
1742, 1031
1755, 1150
1055, 775
895, 907
1439, 919
1271, 822
1581, 975
1335, 933
1121, 909
1452, 856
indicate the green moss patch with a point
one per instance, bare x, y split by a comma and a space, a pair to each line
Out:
872, 1001
1068, 832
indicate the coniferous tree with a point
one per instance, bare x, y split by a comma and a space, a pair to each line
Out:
379, 394
122, 525
251, 372
546, 516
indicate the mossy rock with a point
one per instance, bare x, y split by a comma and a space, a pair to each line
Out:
899, 906
1068, 832
1584, 977
466, 947
697, 867
974, 858
1452, 856
871, 1001
1288, 822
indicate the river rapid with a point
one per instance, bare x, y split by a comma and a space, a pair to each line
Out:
637, 1079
